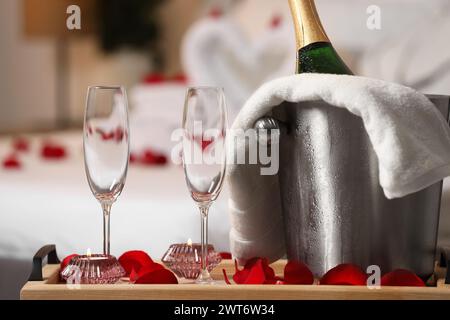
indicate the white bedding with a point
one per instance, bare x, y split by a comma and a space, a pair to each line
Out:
50, 202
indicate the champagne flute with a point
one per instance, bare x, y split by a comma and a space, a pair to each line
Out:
106, 148
204, 155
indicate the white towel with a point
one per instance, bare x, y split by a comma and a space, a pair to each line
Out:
408, 133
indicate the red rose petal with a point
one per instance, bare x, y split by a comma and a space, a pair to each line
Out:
276, 21
215, 13
402, 278
150, 267
256, 274
21, 144
296, 272
162, 276
345, 274
134, 260
268, 271
66, 261
240, 276
119, 134
256, 271
11, 162
153, 158
226, 255
148, 158
225, 276
179, 78
105, 135
134, 276
161, 160
154, 78
53, 151
205, 144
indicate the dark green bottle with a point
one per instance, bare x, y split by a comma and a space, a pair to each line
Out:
315, 53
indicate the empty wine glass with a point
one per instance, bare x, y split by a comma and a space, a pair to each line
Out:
106, 148
204, 155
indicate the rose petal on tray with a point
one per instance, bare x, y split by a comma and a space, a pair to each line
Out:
161, 276
255, 271
346, 275
402, 278
225, 276
240, 276
134, 260
268, 271
134, 276
296, 272
256, 274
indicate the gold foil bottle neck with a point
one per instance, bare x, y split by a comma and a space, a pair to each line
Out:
308, 28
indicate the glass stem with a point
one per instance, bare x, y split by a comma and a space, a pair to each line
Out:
204, 216
106, 214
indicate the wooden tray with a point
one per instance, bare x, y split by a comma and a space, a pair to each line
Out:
50, 288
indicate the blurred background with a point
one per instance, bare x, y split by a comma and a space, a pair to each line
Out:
124, 42
155, 48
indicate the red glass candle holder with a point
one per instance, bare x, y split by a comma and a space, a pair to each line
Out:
93, 269
185, 259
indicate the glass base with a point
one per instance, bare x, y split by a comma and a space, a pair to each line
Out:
93, 269
185, 259
205, 278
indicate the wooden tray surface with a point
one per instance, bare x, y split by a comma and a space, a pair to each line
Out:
51, 288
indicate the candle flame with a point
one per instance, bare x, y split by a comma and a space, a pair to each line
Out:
88, 252
189, 243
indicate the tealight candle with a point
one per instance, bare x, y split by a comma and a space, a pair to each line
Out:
93, 269
184, 259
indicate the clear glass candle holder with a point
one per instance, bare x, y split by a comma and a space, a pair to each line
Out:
185, 259
93, 269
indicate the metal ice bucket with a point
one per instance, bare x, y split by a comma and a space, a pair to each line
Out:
333, 206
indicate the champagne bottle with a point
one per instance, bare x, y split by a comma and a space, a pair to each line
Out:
315, 53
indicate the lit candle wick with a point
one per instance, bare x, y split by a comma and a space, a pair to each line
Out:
189, 243
88, 253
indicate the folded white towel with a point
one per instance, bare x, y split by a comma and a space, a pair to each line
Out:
408, 133
218, 52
